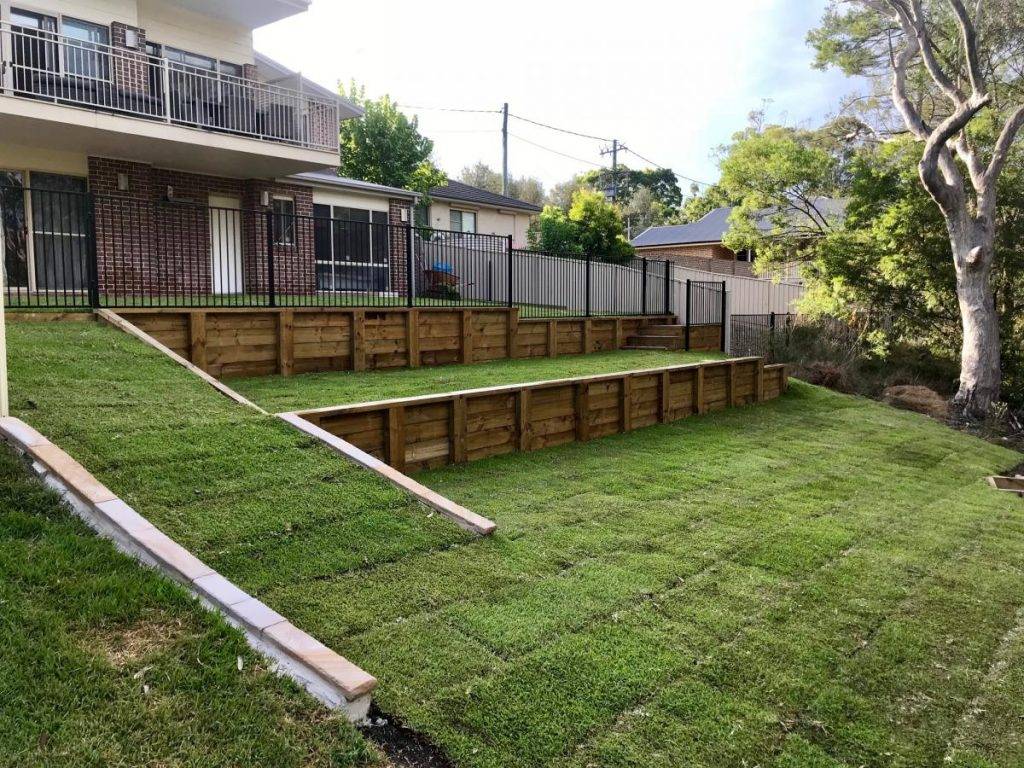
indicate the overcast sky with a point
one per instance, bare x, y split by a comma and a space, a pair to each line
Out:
671, 80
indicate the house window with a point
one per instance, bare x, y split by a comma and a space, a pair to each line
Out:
86, 57
746, 255
352, 248
463, 221
284, 220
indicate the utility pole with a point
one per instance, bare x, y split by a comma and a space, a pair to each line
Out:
614, 152
504, 149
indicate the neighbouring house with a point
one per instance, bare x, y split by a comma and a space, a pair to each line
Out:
698, 245
147, 128
464, 208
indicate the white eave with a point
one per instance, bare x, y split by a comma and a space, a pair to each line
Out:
248, 13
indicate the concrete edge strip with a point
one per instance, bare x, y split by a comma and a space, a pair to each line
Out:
1008, 484
458, 514
120, 323
329, 677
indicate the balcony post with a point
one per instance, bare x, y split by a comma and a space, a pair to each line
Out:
7, 49
165, 75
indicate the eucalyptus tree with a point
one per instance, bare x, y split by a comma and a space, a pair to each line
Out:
956, 82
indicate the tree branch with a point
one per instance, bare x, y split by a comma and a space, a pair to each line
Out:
1002, 149
970, 41
946, 192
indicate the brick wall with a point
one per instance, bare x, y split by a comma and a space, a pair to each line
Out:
155, 238
131, 65
712, 258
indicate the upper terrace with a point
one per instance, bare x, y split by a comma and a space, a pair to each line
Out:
169, 83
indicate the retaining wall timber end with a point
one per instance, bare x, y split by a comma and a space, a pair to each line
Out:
332, 679
417, 433
258, 342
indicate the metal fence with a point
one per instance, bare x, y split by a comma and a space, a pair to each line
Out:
765, 336
66, 248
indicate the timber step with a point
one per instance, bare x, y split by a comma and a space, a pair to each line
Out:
663, 330
646, 341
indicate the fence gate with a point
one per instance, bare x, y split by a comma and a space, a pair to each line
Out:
705, 305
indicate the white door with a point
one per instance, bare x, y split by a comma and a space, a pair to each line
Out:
226, 244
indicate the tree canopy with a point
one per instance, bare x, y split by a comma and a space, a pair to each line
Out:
525, 188
591, 227
385, 146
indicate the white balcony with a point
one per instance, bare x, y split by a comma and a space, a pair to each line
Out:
127, 98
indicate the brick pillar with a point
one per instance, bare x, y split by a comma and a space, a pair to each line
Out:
397, 266
130, 70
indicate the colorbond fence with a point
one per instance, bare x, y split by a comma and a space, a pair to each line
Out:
418, 433
747, 295
254, 342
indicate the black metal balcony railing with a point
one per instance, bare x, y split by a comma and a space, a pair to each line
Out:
46, 66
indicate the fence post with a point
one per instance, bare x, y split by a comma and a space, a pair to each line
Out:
689, 296
589, 263
511, 271
643, 288
92, 256
409, 291
771, 336
271, 288
668, 287
725, 318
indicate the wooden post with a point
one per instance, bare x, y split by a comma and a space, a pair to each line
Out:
582, 412
523, 419
458, 430
730, 384
618, 333
698, 391
665, 406
396, 437
588, 336
513, 332
286, 342
412, 337
467, 336
358, 340
197, 338
759, 381
626, 404
552, 338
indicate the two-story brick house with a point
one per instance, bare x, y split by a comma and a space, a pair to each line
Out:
154, 132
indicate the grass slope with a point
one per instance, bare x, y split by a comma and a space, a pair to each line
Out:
107, 664
818, 581
318, 390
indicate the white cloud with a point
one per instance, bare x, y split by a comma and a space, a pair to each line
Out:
673, 81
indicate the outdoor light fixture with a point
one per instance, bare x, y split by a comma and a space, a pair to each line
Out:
170, 193
405, 215
131, 38
265, 198
122, 182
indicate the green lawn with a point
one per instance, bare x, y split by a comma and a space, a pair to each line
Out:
316, 390
817, 581
107, 664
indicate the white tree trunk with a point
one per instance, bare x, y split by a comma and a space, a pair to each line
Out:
980, 369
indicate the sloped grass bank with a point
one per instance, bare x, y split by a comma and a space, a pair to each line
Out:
320, 390
816, 581
107, 664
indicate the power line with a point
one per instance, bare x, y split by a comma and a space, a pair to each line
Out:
451, 109
664, 168
555, 151
560, 130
